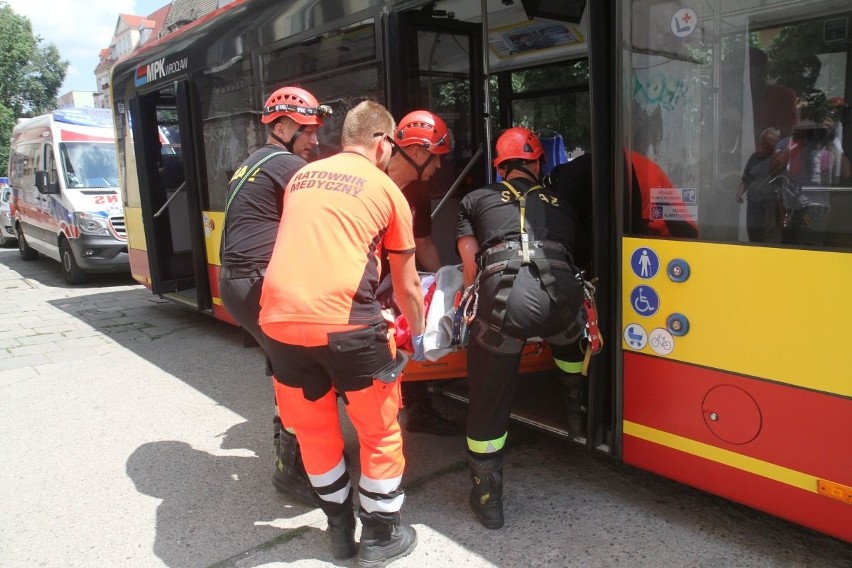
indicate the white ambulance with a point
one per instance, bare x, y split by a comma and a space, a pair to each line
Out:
65, 201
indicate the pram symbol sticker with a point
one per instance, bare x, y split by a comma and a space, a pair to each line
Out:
635, 336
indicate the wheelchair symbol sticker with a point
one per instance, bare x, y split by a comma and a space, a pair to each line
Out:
635, 336
645, 263
644, 300
661, 341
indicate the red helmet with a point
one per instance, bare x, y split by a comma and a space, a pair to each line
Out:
517, 143
296, 103
426, 129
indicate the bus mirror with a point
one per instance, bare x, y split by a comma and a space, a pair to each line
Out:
43, 184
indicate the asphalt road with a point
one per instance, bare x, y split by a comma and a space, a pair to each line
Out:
135, 432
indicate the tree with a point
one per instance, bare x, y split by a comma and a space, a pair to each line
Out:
30, 75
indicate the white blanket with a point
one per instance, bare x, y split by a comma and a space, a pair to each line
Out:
437, 340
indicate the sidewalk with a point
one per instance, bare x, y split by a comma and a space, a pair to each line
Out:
135, 432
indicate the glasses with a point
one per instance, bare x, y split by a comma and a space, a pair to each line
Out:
385, 137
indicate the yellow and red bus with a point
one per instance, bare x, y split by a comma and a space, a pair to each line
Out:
726, 363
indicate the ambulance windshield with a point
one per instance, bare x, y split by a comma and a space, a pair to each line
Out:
89, 164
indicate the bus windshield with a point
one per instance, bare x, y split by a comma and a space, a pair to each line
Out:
89, 164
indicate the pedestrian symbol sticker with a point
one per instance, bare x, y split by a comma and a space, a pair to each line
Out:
645, 263
635, 336
661, 341
644, 300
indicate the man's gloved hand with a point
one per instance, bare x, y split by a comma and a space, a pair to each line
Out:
417, 343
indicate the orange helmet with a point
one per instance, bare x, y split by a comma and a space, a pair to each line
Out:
518, 143
295, 103
426, 129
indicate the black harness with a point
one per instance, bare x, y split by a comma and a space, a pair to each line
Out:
508, 257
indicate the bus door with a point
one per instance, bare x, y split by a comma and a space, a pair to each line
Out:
736, 262
435, 64
168, 166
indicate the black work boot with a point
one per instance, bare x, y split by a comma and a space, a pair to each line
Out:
383, 539
575, 392
423, 417
486, 497
341, 528
290, 476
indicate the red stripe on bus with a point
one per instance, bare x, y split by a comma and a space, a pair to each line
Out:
785, 501
803, 430
139, 262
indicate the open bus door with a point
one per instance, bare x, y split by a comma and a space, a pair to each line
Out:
171, 205
438, 64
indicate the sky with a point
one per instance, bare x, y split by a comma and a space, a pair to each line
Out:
79, 29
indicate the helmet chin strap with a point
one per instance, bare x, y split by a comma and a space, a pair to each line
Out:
419, 168
288, 145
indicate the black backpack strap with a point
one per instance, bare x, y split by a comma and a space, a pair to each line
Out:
253, 170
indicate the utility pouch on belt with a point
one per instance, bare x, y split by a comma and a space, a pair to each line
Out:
393, 370
361, 355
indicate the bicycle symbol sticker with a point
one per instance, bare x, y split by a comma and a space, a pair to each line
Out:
644, 300
645, 263
635, 336
661, 341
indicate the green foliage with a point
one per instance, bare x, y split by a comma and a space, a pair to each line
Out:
30, 75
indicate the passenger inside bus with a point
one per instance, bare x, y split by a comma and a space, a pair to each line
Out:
664, 217
773, 106
760, 186
817, 163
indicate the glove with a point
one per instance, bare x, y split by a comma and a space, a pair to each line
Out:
417, 344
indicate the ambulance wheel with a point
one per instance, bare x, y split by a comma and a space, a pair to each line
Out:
72, 272
26, 252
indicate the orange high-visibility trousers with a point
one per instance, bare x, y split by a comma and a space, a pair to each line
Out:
373, 411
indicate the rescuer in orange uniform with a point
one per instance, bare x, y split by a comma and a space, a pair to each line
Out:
252, 212
326, 334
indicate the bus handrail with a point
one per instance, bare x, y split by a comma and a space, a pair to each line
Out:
458, 181
169, 200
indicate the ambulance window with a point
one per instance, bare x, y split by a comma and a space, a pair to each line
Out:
737, 126
50, 165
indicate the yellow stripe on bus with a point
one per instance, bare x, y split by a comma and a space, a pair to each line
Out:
775, 313
726, 457
213, 221
135, 229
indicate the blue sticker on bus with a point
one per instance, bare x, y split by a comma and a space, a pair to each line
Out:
644, 300
645, 263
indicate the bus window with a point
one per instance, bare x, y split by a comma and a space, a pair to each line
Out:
339, 67
553, 101
747, 123
442, 84
231, 126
